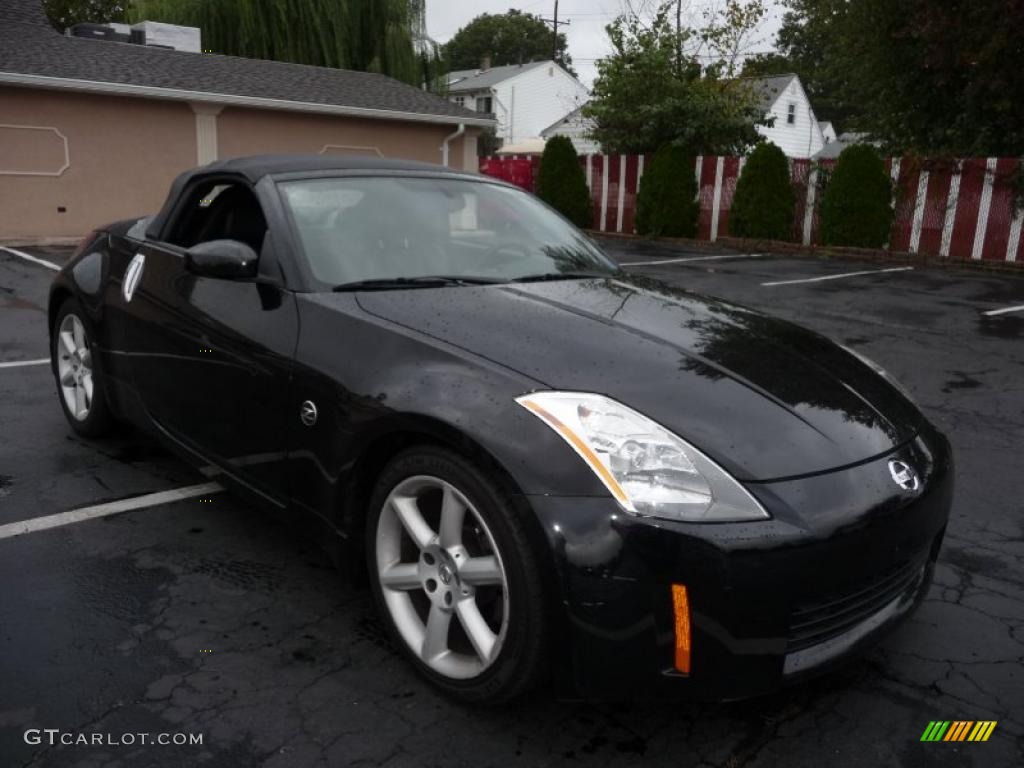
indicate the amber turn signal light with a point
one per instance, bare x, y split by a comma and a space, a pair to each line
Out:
681, 609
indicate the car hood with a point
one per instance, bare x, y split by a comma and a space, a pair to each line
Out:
763, 397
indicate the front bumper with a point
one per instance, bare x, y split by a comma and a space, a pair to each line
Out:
845, 557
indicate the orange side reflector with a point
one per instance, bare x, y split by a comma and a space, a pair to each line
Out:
681, 607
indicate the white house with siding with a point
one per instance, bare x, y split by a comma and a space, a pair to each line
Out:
796, 130
525, 98
828, 131
577, 128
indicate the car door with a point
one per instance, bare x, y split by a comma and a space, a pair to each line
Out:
211, 357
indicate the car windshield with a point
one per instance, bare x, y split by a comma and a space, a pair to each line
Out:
381, 232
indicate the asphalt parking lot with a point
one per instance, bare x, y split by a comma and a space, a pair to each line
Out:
206, 616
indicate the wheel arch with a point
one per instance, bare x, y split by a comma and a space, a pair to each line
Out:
398, 434
58, 295
411, 431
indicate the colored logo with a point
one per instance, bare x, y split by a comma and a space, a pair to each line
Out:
958, 730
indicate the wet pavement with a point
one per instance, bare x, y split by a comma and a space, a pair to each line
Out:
206, 616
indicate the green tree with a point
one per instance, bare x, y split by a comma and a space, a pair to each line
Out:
562, 184
919, 76
768, 64
726, 30
763, 206
808, 40
507, 38
366, 35
666, 204
67, 13
856, 209
649, 92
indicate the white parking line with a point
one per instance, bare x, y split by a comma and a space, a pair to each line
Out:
22, 363
102, 510
1004, 310
836, 277
30, 257
692, 258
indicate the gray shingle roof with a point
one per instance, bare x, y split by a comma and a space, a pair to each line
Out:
574, 115
474, 79
24, 11
768, 88
30, 46
832, 150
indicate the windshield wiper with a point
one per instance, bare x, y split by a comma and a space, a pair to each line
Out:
425, 281
546, 276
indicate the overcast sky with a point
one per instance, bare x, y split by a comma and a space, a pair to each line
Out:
587, 38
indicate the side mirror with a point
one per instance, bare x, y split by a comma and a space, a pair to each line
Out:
228, 259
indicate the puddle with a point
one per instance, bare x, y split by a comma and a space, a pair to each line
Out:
963, 381
1002, 326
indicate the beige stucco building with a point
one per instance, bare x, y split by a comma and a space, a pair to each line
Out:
92, 131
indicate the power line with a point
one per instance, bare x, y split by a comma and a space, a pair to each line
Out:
710, 56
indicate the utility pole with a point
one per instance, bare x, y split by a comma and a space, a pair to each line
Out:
555, 24
554, 37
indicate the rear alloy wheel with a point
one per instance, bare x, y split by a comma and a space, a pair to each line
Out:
78, 379
74, 367
454, 577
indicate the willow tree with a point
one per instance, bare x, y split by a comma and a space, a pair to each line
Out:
366, 35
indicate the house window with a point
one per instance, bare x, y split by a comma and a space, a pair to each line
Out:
484, 104
460, 100
791, 115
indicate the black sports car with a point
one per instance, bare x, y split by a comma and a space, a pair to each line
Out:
551, 469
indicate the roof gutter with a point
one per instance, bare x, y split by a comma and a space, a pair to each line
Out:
226, 99
447, 140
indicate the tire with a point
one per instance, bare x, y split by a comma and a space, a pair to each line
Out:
487, 572
76, 370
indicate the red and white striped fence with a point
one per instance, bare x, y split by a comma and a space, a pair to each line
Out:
953, 209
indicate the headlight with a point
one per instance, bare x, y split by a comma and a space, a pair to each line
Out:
649, 470
881, 372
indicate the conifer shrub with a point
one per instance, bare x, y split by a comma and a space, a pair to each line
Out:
856, 209
562, 184
666, 203
763, 206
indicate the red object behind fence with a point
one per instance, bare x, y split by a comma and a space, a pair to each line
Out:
515, 169
967, 209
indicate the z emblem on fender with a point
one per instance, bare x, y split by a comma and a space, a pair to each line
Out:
132, 276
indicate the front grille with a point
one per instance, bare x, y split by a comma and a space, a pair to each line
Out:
829, 615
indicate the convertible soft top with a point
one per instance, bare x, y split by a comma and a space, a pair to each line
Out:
255, 167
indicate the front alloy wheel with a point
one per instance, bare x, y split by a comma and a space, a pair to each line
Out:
455, 577
452, 572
